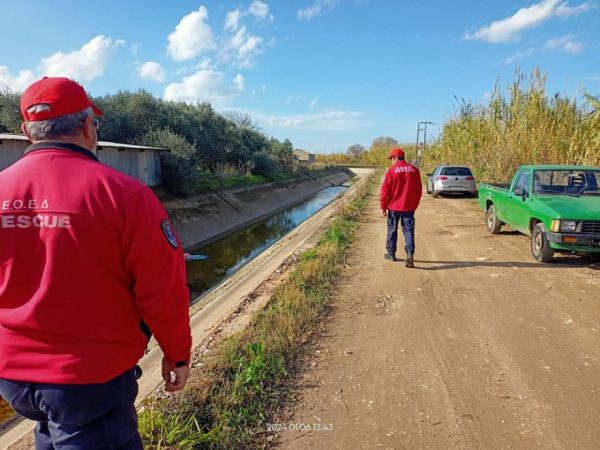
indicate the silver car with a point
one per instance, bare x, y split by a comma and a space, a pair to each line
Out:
450, 179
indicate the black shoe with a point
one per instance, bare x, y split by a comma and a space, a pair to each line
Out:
390, 257
410, 261
137, 371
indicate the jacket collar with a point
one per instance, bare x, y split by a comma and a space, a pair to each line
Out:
57, 145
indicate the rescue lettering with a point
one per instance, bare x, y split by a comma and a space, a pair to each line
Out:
17, 204
403, 169
36, 221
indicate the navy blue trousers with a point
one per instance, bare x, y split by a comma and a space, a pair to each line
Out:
407, 221
79, 416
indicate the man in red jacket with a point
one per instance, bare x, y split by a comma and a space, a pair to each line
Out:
399, 198
86, 253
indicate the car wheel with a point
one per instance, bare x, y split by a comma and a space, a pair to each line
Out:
434, 193
428, 190
491, 220
540, 247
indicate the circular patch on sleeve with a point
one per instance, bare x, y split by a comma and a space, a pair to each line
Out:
169, 232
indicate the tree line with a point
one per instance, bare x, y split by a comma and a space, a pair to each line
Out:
202, 142
375, 155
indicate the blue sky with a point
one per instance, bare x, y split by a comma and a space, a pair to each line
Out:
325, 74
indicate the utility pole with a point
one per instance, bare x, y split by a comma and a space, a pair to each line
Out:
423, 144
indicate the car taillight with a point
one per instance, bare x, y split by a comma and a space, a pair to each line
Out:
442, 178
469, 178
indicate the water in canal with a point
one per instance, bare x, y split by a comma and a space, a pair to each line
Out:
227, 255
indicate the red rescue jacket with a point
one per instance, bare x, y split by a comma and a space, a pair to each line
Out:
85, 253
401, 189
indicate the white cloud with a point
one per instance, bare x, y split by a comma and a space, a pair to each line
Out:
84, 64
239, 82
232, 20
565, 11
519, 56
16, 83
313, 102
565, 44
329, 119
260, 10
191, 37
206, 64
207, 85
316, 9
510, 29
242, 48
151, 71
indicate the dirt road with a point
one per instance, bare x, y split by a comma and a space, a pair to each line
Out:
478, 347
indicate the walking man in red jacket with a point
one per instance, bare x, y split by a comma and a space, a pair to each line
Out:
399, 198
86, 253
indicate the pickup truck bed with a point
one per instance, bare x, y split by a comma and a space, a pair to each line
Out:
504, 186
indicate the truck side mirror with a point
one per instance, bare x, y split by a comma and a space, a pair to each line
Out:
519, 192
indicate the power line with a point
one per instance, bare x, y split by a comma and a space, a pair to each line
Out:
421, 145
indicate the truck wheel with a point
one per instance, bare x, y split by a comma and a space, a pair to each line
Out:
540, 248
491, 221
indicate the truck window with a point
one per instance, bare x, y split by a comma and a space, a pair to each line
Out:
523, 182
567, 181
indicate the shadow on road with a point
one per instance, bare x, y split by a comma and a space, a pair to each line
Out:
565, 263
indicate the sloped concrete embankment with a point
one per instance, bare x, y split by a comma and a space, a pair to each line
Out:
210, 216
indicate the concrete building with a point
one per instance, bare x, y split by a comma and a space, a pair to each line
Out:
138, 161
302, 157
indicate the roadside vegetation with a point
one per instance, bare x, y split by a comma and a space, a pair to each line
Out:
236, 394
523, 125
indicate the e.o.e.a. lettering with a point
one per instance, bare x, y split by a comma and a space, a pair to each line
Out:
21, 204
27, 213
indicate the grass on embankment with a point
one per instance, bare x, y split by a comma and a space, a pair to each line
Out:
231, 399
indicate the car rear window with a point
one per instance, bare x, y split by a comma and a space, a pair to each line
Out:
457, 171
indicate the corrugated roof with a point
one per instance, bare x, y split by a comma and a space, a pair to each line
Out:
20, 137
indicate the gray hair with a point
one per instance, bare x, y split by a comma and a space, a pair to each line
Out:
67, 125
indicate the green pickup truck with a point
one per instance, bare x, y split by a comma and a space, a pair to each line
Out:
558, 206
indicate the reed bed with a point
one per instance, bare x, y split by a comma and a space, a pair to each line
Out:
521, 125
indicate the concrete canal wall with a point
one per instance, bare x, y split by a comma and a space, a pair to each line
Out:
210, 216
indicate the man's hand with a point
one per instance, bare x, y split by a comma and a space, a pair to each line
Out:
175, 377
384, 212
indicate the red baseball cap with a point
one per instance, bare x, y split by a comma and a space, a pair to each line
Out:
64, 97
397, 152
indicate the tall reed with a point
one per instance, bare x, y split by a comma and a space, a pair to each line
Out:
520, 126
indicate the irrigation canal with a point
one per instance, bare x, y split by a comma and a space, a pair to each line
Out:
230, 253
